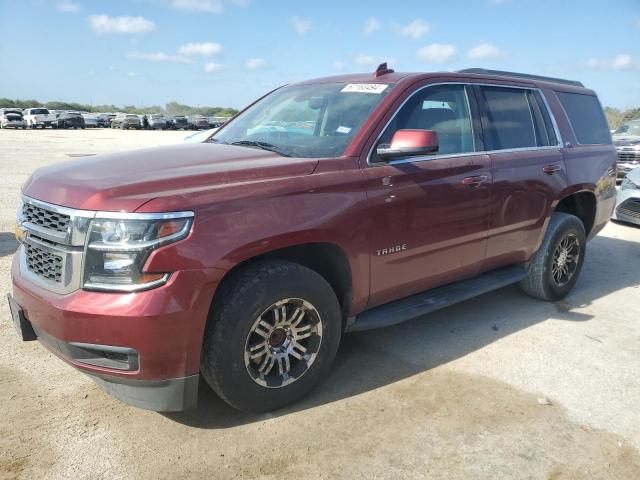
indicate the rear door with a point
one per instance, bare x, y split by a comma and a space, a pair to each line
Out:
527, 168
430, 214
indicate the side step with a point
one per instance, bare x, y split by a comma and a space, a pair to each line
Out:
432, 300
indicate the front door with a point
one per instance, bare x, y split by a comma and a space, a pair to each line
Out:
430, 214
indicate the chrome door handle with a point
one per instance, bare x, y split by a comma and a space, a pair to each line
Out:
551, 169
475, 181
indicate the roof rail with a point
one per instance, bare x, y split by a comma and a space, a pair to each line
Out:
500, 73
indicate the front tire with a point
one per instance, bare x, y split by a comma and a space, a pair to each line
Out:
556, 266
271, 337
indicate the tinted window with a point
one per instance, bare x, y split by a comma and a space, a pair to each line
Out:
442, 108
587, 118
510, 119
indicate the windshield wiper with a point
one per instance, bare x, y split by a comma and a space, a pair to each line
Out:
262, 145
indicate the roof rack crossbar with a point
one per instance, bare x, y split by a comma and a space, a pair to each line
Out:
500, 73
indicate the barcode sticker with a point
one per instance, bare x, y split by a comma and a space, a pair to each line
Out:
365, 87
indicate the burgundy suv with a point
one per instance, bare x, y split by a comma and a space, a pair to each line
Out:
328, 206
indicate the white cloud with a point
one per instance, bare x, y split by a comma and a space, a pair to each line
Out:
209, 6
256, 63
158, 57
132, 74
212, 67
622, 62
338, 65
365, 59
107, 24
485, 51
416, 29
301, 25
204, 49
437, 52
371, 25
68, 6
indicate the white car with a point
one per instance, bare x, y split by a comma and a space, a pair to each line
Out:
11, 118
39, 117
628, 202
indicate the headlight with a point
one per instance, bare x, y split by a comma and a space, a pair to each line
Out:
117, 250
627, 184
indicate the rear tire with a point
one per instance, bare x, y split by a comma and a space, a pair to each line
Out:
266, 312
556, 266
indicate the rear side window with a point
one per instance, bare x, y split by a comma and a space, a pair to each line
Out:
509, 117
586, 117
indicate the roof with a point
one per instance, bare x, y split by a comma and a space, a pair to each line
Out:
475, 74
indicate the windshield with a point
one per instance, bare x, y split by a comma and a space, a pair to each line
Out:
628, 129
311, 121
39, 111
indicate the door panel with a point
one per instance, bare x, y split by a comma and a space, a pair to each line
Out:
523, 195
429, 227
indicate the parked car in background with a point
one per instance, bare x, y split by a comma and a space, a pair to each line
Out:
216, 122
90, 120
70, 120
246, 259
157, 122
626, 138
628, 204
126, 121
180, 122
198, 122
104, 119
39, 118
12, 118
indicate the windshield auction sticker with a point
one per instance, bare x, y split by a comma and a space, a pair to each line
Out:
365, 87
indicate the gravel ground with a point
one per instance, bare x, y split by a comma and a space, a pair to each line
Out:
501, 386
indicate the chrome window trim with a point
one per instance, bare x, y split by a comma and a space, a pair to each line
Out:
466, 154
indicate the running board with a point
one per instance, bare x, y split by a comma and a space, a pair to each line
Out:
435, 299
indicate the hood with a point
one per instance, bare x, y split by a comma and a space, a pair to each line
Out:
624, 140
125, 181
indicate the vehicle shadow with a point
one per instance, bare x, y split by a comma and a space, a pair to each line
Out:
373, 359
8, 244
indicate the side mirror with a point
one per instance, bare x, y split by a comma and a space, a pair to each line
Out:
409, 143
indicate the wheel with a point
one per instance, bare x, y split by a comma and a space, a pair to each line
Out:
272, 337
554, 269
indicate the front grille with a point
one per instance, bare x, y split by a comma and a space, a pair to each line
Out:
628, 156
45, 218
629, 208
44, 264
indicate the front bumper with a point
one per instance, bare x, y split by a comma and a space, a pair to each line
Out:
143, 348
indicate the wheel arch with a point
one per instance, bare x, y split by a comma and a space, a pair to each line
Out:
582, 204
327, 259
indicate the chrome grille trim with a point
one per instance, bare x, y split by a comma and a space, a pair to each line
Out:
45, 218
43, 263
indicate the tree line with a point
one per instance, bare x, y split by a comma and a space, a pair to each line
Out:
617, 117
171, 108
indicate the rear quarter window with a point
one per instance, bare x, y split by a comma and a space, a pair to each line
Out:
586, 117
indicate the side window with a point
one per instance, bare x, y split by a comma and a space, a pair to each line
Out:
586, 117
510, 119
442, 108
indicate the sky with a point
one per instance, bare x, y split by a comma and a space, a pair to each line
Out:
229, 52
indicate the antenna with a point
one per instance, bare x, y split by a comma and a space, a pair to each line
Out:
382, 70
